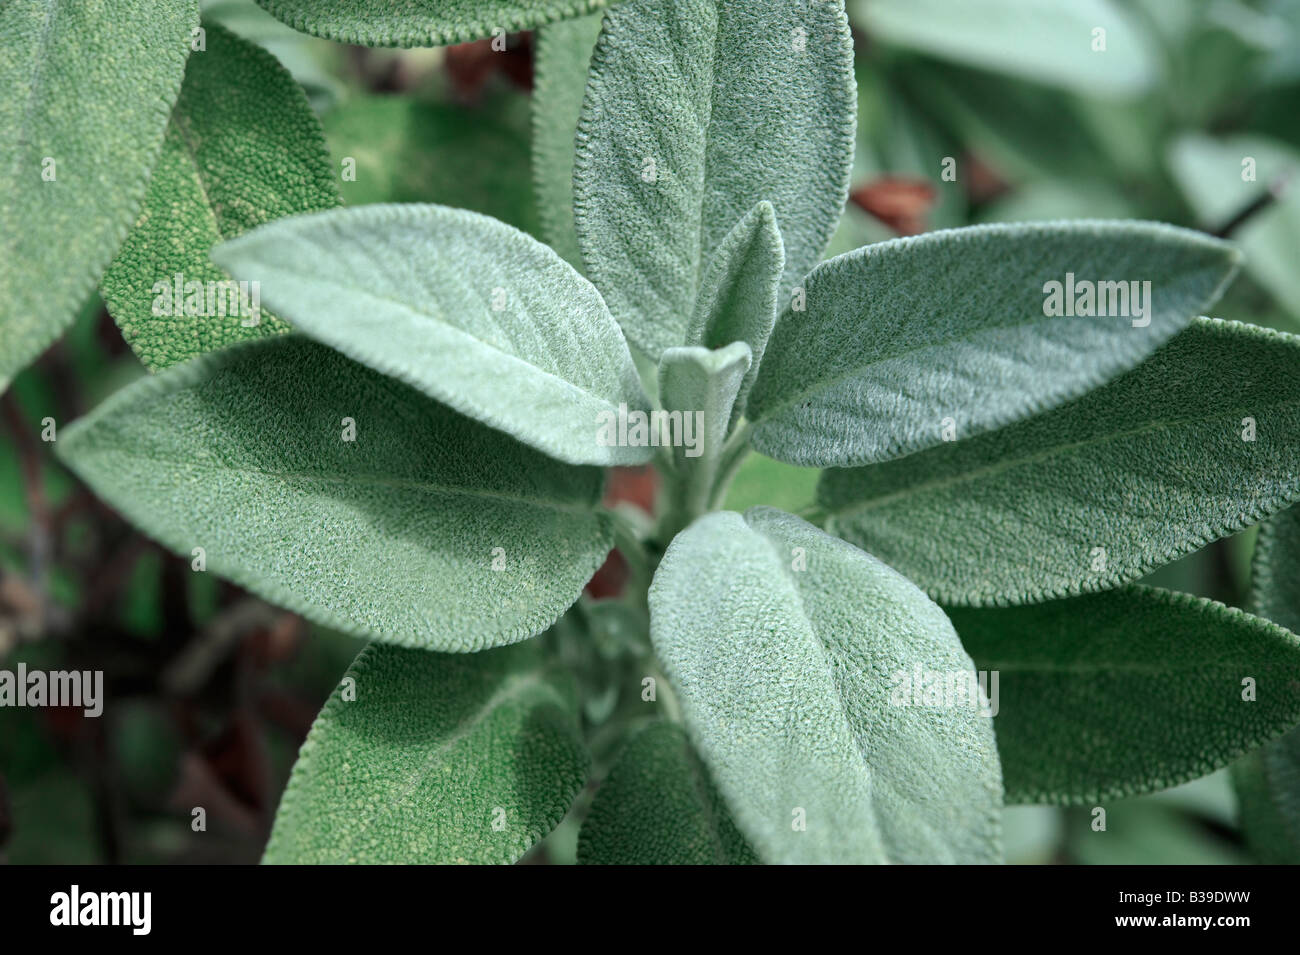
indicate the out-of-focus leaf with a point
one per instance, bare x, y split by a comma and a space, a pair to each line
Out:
80, 129
243, 148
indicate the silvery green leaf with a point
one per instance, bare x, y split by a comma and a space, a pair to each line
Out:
703, 384
1045, 42
738, 294
658, 806
560, 65
695, 110
906, 344
345, 496
1222, 177
425, 757
1268, 780
1199, 441
469, 311
87, 88
420, 22
1090, 690
243, 148
782, 643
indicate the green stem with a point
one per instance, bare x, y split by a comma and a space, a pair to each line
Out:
733, 455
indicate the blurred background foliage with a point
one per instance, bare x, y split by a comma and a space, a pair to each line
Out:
211, 691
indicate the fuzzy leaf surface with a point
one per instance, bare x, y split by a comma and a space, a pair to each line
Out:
98, 111
1128, 691
438, 759
391, 535
470, 311
1098, 492
695, 111
783, 675
243, 148
738, 295
560, 67
658, 806
902, 339
420, 22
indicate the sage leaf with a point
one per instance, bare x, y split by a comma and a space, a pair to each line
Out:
702, 384
345, 496
1199, 441
79, 132
782, 642
468, 310
432, 758
420, 22
1090, 686
738, 295
243, 148
658, 806
695, 110
560, 66
408, 150
913, 342
1268, 780
1049, 43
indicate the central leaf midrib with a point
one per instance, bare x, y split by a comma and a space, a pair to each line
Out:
437, 319
365, 480
510, 691
857, 371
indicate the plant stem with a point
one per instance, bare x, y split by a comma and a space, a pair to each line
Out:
733, 455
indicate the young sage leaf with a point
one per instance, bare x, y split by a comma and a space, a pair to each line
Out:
1089, 687
782, 643
79, 133
469, 311
1199, 441
243, 148
346, 496
420, 22
695, 110
738, 294
658, 806
910, 343
424, 757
